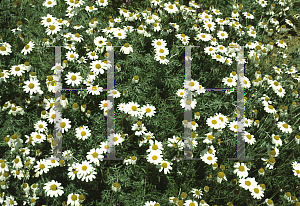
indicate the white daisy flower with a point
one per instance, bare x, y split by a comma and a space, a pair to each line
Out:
149, 110
274, 21
181, 93
280, 91
73, 78
154, 146
166, 166
222, 118
53, 29
197, 193
77, 37
73, 170
4, 75
18, 70
214, 122
248, 15
296, 169
241, 170
265, 100
233, 126
48, 20
228, 61
114, 93
209, 158
5, 48
53, 188
84, 169
83, 133
191, 85
17, 162
41, 167
117, 138
284, 127
65, 125
98, 66
31, 86
219, 58
139, 128
100, 41
106, 105
73, 200
9, 200
50, 3
126, 49
188, 104
134, 109
94, 90
222, 35
104, 147
289, 22
229, 82
270, 109
263, 3
71, 56
170, 8
252, 33
90, 8
157, 43
209, 26
52, 162
102, 3
249, 138
221, 48
190, 202
38, 137
210, 50
161, 59
120, 34
247, 183
155, 157
281, 44
204, 37
257, 192
161, 51
40, 126
28, 48
78, 26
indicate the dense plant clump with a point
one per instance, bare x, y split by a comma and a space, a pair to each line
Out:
149, 39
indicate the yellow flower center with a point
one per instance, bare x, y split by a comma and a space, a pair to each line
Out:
95, 154
241, 168
74, 197
31, 85
155, 147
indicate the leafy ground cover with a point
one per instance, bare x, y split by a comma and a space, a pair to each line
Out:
149, 102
